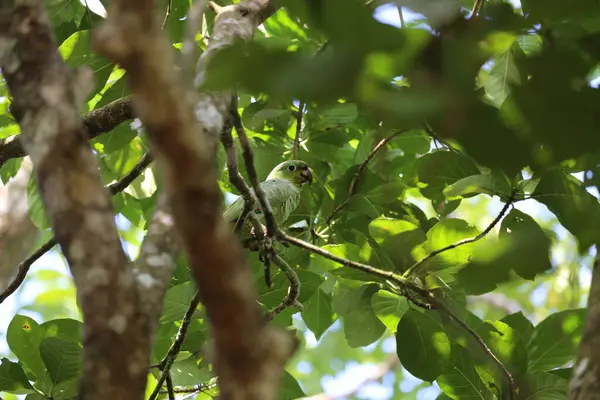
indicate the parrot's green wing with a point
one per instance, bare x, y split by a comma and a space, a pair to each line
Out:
283, 197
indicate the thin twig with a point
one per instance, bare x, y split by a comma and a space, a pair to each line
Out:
429, 130
400, 14
191, 389
291, 300
404, 283
235, 177
170, 389
299, 121
476, 8
248, 155
136, 171
486, 349
167, 362
114, 188
413, 268
167, 14
23, 268
352, 189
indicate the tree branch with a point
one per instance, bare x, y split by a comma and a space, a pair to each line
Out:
352, 189
248, 155
405, 284
168, 360
413, 268
46, 99
585, 382
476, 8
96, 122
250, 355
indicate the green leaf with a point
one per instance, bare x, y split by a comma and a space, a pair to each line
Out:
62, 359
576, 209
520, 324
422, 345
281, 24
389, 308
77, 52
361, 325
117, 138
445, 233
37, 211
66, 390
506, 344
13, 379
554, 340
529, 253
317, 313
502, 76
522, 245
24, 336
10, 169
544, 386
190, 372
289, 389
490, 184
176, 302
397, 238
440, 169
459, 379
65, 328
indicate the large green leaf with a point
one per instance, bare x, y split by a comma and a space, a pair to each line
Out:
506, 344
445, 233
389, 308
458, 378
317, 313
520, 324
422, 345
289, 389
554, 340
24, 336
440, 169
62, 359
397, 238
176, 302
77, 51
13, 379
576, 209
544, 386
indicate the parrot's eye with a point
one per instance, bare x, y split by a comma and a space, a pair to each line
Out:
292, 168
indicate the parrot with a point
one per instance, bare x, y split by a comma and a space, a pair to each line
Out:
282, 189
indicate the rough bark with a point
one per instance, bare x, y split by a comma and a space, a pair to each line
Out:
46, 99
96, 122
156, 262
585, 382
17, 233
249, 354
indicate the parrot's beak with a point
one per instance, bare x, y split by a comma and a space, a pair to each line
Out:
307, 176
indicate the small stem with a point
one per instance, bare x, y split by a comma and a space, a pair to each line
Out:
413, 268
476, 8
353, 188
167, 361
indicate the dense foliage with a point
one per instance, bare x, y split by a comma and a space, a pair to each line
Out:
412, 133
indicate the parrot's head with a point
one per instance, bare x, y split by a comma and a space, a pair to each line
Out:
295, 171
